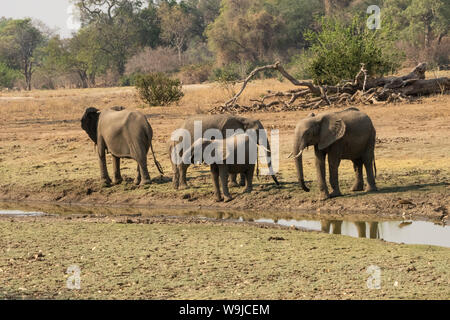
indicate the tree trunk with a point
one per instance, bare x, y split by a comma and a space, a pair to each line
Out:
83, 78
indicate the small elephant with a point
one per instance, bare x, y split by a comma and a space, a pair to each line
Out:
221, 122
347, 134
123, 133
235, 155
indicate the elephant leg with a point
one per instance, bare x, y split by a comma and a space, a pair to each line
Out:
368, 164
233, 181
373, 230
359, 182
325, 226
333, 166
243, 179
183, 169
106, 180
176, 176
223, 173
337, 227
320, 168
215, 177
116, 168
249, 178
361, 226
137, 181
145, 176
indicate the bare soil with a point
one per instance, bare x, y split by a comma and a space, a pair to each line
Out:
45, 156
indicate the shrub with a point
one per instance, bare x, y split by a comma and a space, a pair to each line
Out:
8, 76
195, 73
156, 89
299, 66
129, 80
339, 49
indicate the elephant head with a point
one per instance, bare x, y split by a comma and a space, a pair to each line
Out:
262, 140
321, 131
196, 151
89, 122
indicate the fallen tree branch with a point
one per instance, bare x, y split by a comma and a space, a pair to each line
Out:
361, 90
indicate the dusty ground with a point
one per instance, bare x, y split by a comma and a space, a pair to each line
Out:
165, 258
45, 156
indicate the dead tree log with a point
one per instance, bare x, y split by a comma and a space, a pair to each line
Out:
362, 90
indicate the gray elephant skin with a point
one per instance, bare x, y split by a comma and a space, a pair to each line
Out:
124, 134
221, 122
347, 134
227, 162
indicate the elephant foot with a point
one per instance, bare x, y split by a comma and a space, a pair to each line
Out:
183, 186
234, 184
118, 181
219, 199
371, 189
137, 181
335, 194
145, 182
357, 187
106, 183
228, 198
248, 190
324, 196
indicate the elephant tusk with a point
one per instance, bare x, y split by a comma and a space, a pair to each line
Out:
298, 155
290, 155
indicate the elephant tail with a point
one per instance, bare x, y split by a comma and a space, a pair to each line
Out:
374, 166
158, 165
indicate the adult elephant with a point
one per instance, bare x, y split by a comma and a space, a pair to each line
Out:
222, 123
347, 134
124, 134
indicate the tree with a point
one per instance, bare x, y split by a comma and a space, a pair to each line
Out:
244, 30
19, 40
339, 49
176, 25
419, 21
116, 27
260, 30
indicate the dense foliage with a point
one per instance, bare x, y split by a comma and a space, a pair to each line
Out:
221, 39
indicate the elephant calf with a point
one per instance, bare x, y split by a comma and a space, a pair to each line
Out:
234, 155
125, 134
347, 134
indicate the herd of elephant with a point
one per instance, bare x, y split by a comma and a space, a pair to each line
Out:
347, 134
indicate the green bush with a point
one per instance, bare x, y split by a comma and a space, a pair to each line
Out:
8, 76
129, 80
227, 73
300, 65
339, 49
157, 89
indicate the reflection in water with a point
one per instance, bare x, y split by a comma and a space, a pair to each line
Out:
335, 227
410, 232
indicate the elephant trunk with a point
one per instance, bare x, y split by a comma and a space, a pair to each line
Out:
299, 166
269, 157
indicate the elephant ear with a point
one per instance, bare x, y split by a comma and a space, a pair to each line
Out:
332, 129
89, 122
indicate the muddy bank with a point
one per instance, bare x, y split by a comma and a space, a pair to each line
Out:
419, 202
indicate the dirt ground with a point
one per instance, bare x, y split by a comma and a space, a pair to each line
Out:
46, 160
45, 156
187, 258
